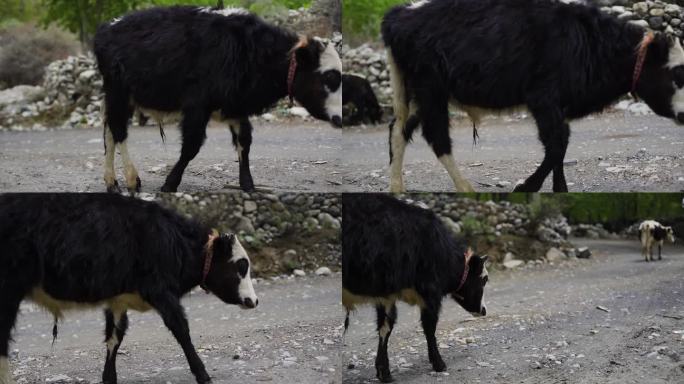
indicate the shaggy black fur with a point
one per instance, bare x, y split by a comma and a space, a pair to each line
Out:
389, 246
358, 93
562, 61
91, 248
190, 60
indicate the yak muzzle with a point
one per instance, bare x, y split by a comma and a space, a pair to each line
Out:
249, 304
336, 121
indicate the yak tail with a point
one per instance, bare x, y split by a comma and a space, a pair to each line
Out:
161, 133
54, 332
476, 136
346, 323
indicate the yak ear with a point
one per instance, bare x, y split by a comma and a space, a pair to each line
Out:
308, 52
468, 255
659, 49
223, 245
484, 258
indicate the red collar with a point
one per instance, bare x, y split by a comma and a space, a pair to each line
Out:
641, 58
292, 71
467, 255
208, 254
291, 75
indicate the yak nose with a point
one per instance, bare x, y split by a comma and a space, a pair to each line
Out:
680, 117
483, 311
251, 304
336, 121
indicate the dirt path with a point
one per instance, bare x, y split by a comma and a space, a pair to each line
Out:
607, 153
543, 326
292, 337
302, 157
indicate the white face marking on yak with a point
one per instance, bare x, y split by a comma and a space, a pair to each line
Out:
229, 276
330, 67
661, 84
245, 288
318, 81
670, 234
675, 63
471, 295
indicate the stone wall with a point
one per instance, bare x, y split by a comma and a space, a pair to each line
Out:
511, 234
282, 232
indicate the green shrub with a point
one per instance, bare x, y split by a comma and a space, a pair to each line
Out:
361, 19
25, 51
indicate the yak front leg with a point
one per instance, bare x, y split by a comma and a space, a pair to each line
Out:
241, 131
171, 311
434, 114
428, 318
194, 127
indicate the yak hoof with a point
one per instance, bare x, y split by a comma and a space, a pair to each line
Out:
248, 186
168, 188
114, 188
384, 375
522, 188
439, 366
203, 378
136, 188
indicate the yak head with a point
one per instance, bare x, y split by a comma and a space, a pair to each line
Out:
317, 84
470, 293
670, 234
229, 273
661, 84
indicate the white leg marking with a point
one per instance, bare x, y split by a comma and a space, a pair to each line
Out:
235, 128
461, 184
130, 172
5, 372
384, 330
110, 152
401, 112
113, 341
398, 144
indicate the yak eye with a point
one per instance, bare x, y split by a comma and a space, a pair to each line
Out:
332, 80
678, 75
242, 267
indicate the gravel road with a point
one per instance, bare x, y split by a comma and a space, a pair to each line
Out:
543, 326
611, 152
292, 337
301, 157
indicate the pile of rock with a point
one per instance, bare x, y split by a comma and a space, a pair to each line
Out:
75, 82
17, 104
71, 91
592, 231
370, 62
657, 15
